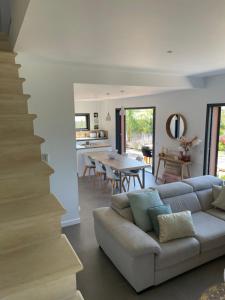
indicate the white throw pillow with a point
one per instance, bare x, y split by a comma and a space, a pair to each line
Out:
216, 189
175, 226
220, 200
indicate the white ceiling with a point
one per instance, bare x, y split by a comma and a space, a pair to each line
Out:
126, 33
99, 92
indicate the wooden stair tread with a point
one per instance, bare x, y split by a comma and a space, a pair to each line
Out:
18, 117
12, 80
9, 65
4, 39
8, 53
5, 45
13, 97
7, 56
37, 264
25, 209
4, 35
20, 141
23, 170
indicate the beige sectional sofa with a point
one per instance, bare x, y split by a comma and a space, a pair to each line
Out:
140, 257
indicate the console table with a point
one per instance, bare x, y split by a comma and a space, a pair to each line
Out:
182, 164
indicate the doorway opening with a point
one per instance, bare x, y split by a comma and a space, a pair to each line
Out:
214, 158
138, 132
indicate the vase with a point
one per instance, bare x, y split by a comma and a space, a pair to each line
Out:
186, 156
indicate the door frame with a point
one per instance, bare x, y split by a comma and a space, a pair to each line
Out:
208, 129
118, 128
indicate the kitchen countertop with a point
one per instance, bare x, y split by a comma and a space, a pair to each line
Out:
90, 139
92, 146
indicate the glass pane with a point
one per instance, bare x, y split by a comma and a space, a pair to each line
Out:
81, 122
139, 130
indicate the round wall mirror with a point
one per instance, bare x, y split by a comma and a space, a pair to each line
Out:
176, 126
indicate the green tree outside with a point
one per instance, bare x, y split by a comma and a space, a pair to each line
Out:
138, 121
222, 130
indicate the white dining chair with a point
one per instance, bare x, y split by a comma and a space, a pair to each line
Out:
88, 165
113, 178
99, 170
133, 174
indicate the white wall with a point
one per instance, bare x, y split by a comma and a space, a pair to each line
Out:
51, 91
191, 103
90, 107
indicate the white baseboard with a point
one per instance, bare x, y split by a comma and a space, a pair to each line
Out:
70, 222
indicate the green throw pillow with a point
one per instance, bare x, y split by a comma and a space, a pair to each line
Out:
155, 212
140, 202
220, 200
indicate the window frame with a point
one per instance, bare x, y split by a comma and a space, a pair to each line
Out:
87, 116
208, 128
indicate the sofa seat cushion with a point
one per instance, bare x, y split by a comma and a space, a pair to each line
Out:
210, 231
175, 251
216, 212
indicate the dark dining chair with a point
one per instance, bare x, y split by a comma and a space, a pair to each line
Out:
147, 153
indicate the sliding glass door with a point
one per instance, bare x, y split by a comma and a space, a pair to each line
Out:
214, 163
138, 126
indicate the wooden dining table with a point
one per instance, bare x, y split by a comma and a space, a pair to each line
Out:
120, 164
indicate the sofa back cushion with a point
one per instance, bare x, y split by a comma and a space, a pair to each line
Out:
124, 212
121, 204
192, 194
183, 202
205, 198
203, 182
173, 189
180, 196
202, 186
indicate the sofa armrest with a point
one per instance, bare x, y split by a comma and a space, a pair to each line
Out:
128, 235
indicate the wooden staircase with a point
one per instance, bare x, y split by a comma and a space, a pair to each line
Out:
36, 261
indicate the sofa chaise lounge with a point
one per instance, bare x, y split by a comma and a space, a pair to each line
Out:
140, 257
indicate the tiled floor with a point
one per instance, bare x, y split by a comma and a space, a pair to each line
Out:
100, 280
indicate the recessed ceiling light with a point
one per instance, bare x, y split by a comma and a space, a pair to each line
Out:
169, 51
